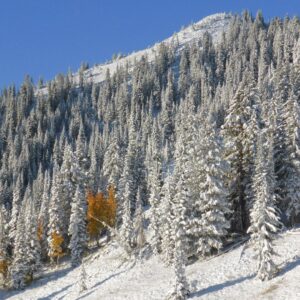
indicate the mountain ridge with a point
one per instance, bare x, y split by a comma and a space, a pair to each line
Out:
214, 24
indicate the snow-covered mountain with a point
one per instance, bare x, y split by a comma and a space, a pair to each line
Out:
188, 151
228, 276
214, 24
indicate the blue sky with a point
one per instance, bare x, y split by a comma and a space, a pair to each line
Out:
45, 37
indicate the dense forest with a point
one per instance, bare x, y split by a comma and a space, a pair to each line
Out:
199, 147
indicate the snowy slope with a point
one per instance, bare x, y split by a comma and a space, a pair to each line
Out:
214, 24
223, 277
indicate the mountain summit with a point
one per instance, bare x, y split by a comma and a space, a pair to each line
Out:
214, 24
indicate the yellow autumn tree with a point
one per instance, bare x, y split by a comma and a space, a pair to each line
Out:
56, 250
100, 209
93, 213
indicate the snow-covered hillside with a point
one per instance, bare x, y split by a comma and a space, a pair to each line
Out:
214, 24
223, 277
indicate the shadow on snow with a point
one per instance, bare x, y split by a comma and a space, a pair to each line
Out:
220, 286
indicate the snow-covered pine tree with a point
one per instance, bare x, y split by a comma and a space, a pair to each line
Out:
126, 230
276, 124
182, 206
234, 134
67, 183
81, 148
167, 208
181, 289
16, 204
292, 128
166, 115
249, 149
19, 268
43, 218
77, 227
212, 223
4, 255
112, 164
127, 184
26, 259
56, 216
31, 236
155, 212
139, 234
264, 214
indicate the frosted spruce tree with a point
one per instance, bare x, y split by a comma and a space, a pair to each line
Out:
212, 223
77, 227
292, 123
155, 212
56, 215
4, 255
128, 181
181, 289
19, 267
139, 232
264, 214
126, 230
33, 251
181, 224
16, 204
26, 258
43, 218
238, 155
168, 216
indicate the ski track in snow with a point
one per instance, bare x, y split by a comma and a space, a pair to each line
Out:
111, 277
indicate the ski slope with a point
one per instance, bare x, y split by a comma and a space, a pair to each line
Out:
112, 277
214, 24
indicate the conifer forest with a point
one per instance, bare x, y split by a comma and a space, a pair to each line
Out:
177, 152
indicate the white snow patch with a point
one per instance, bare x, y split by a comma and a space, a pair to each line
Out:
110, 277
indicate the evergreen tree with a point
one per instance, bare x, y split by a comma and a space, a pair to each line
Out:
26, 259
181, 289
43, 218
56, 215
19, 268
4, 255
212, 224
155, 213
264, 214
168, 216
140, 238
16, 203
234, 133
77, 227
127, 226
292, 121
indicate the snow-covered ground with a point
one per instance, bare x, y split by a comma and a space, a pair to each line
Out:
214, 24
222, 277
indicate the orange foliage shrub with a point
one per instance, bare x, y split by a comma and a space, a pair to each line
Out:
100, 208
56, 246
